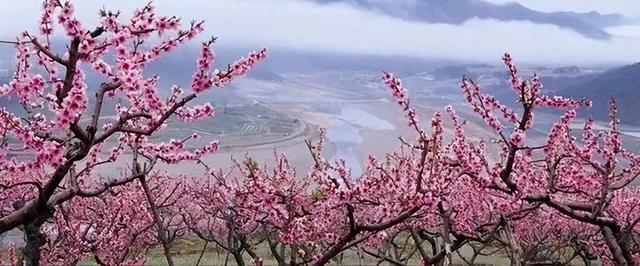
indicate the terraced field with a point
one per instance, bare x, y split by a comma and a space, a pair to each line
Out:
242, 126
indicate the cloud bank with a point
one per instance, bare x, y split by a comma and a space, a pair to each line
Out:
307, 26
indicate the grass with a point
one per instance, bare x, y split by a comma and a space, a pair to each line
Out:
187, 252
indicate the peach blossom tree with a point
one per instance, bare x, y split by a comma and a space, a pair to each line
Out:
52, 148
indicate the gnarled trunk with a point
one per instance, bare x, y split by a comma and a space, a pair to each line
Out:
35, 239
614, 247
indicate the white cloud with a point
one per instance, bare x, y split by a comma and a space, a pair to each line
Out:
340, 28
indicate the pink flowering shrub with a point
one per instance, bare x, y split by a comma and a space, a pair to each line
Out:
582, 182
61, 136
556, 201
564, 197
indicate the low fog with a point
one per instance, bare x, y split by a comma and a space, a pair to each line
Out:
339, 27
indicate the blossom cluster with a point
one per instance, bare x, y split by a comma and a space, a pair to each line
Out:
400, 93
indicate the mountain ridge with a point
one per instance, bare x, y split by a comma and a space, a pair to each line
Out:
621, 83
589, 24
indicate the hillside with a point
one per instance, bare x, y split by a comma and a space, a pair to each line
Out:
623, 84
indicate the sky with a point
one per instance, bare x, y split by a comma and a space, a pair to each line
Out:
303, 25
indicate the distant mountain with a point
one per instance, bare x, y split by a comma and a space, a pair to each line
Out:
450, 72
623, 84
569, 70
284, 60
589, 24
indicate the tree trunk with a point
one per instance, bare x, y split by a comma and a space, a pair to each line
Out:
238, 257
162, 231
35, 239
273, 247
446, 235
446, 241
614, 247
202, 252
513, 246
293, 255
623, 240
